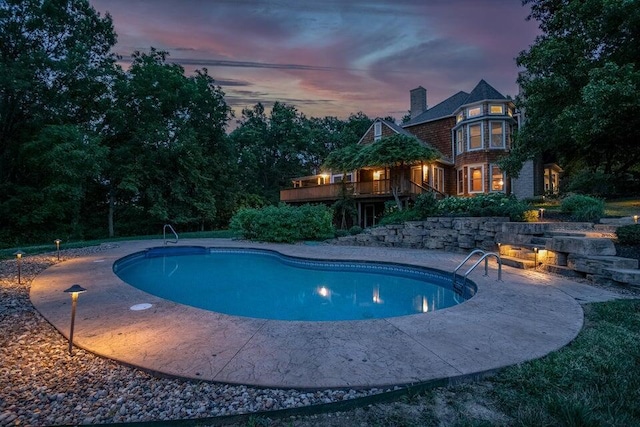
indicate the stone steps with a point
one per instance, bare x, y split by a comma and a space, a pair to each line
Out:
523, 264
624, 275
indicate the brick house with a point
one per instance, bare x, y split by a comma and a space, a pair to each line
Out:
471, 131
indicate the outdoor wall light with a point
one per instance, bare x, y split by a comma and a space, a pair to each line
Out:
541, 210
57, 242
18, 255
74, 290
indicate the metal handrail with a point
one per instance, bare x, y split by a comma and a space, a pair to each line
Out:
164, 234
483, 257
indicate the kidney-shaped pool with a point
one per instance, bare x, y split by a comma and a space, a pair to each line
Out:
269, 285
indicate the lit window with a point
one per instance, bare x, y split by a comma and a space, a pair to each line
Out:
460, 117
496, 109
475, 137
475, 179
497, 135
510, 112
459, 141
474, 111
497, 179
460, 181
377, 130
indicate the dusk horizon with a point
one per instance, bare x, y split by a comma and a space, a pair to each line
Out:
330, 58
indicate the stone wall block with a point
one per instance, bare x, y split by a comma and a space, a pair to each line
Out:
583, 245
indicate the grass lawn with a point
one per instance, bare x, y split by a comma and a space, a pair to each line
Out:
621, 207
38, 249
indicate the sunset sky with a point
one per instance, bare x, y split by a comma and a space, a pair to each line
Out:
332, 57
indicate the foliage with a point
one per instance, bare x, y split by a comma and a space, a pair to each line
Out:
356, 229
629, 234
398, 217
594, 183
583, 208
492, 204
594, 381
284, 223
531, 215
580, 88
426, 205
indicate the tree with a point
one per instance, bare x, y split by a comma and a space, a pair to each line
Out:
55, 74
394, 152
579, 91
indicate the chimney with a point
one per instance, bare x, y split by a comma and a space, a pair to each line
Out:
418, 101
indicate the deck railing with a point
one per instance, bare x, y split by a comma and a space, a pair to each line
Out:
332, 191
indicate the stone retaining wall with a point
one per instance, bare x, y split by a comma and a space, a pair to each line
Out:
444, 233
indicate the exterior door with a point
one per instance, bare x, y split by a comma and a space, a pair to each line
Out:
369, 216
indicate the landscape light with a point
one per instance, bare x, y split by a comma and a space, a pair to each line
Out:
635, 219
541, 213
57, 242
74, 290
18, 255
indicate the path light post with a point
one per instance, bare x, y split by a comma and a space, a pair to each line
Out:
18, 255
535, 251
57, 242
635, 219
541, 210
74, 290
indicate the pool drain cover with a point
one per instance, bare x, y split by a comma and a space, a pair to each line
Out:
139, 307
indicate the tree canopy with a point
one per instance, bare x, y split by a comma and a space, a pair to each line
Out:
580, 89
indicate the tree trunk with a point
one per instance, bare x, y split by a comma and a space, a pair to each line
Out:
111, 210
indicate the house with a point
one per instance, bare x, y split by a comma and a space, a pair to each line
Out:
471, 130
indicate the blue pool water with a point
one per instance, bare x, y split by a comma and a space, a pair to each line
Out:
266, 284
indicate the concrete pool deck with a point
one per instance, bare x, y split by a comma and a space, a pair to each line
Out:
524, 317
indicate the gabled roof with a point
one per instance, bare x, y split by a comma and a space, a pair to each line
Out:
394, 127
444, 109
483, 91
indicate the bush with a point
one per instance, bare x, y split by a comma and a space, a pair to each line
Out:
398, 217
583, 208
355, 230
531, 215
629, 234
426, 205
492, 204
284, 223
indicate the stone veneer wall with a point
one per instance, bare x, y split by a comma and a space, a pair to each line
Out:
444, 233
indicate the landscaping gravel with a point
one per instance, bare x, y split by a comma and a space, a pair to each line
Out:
41, 384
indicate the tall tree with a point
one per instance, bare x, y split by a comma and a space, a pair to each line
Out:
55, 72
579, 91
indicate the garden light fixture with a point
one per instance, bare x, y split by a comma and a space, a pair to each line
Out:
57, 242
18, 255
74, 290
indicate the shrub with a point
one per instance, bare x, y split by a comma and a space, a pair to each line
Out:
341, 233
398, 217
531, 215
492, 204
583, 208
629, 234
355, 230
426, 205
284, 223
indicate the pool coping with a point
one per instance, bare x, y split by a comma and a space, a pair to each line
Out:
524, 317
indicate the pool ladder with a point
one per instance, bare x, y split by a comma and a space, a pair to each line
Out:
164, 234
484, 256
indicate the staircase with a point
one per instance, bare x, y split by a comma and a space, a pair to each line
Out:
570, 249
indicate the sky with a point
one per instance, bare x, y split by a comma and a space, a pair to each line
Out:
332, 57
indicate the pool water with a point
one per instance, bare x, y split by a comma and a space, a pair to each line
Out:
269, 285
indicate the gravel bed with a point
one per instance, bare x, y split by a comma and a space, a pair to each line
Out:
40, 384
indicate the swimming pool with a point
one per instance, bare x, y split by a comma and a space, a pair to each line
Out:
266, 284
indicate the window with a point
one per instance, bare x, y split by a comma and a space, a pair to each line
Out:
496, 109
497, 178
438, 178
460, 117
461, 181
475, 136
510, 112
474, 111
476, 179
497, 135
459, 141
338, 178
377, 131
